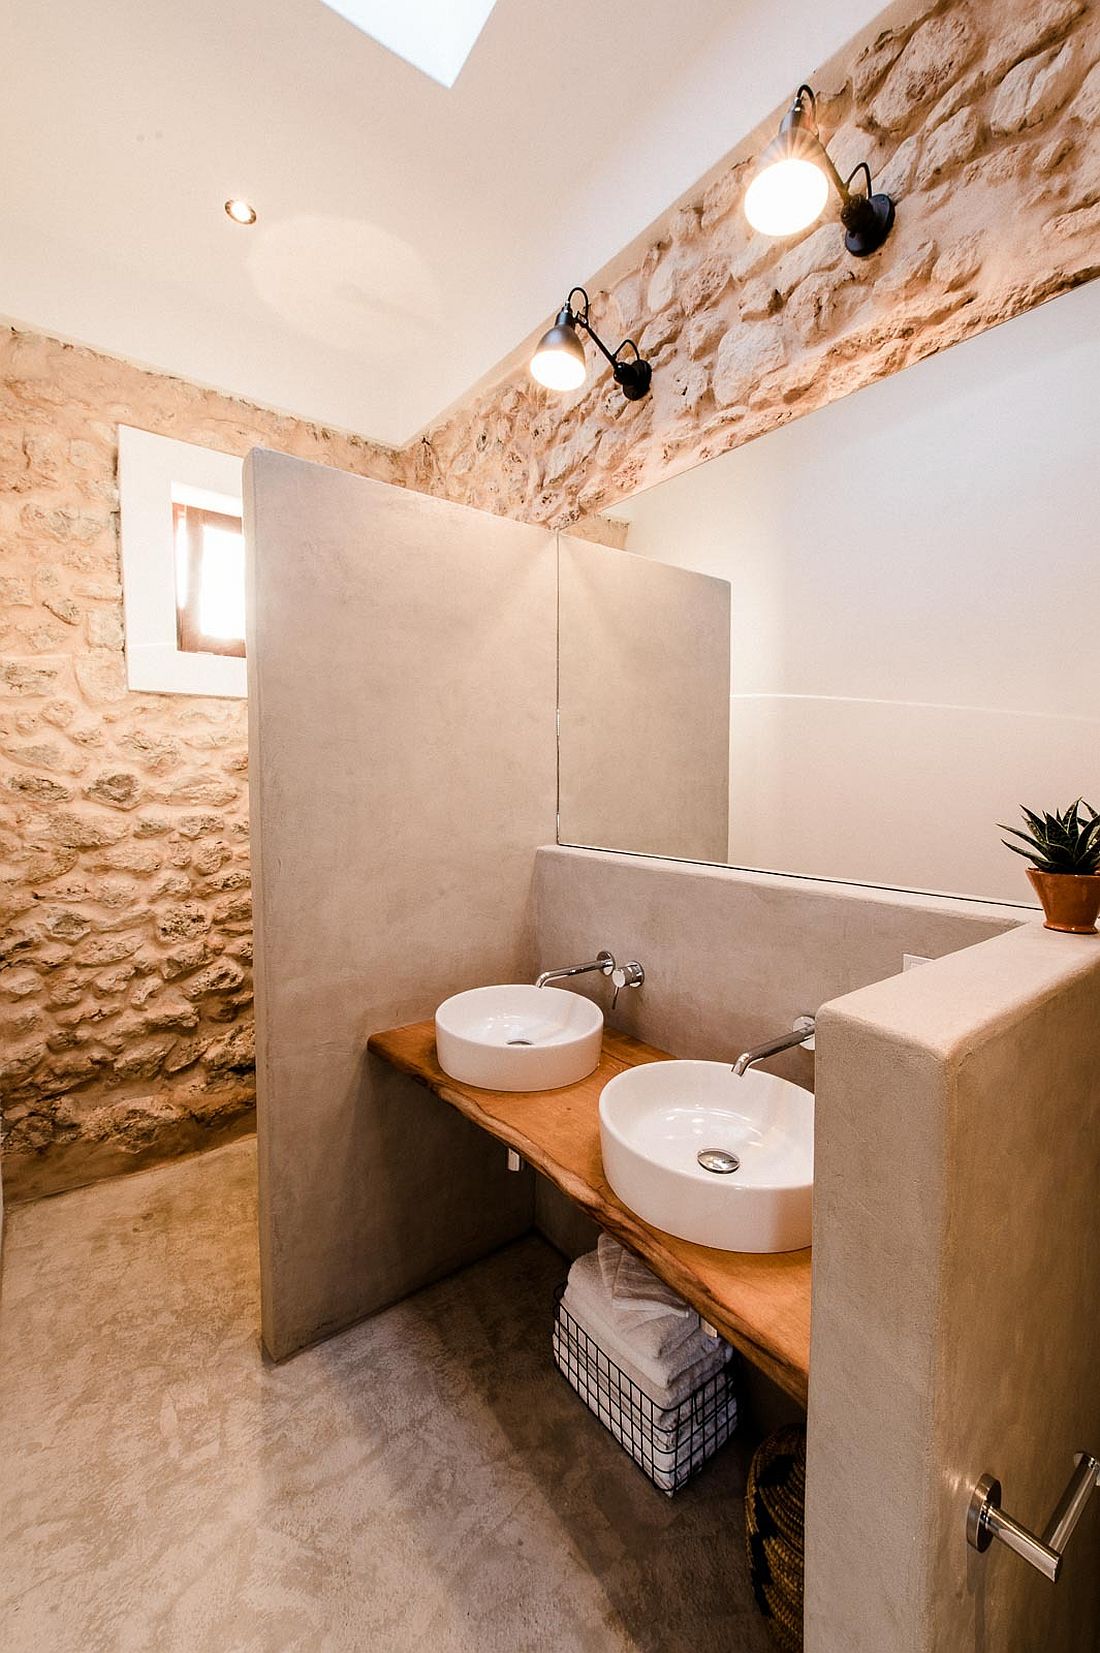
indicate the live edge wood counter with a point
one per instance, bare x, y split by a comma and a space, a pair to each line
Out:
759, 1303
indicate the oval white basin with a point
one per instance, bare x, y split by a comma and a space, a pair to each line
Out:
516, 1037
656, 1120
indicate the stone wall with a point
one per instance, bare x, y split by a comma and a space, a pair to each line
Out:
980, 117
125, 920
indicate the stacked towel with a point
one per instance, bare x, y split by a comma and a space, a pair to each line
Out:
638, 1355
668, 1354
634, 1288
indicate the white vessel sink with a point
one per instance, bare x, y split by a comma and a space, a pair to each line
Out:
518, 1038
656, 1121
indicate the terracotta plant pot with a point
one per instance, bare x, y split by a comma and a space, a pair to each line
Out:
1071, 900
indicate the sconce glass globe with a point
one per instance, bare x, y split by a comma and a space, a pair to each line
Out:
786, 195
559, 362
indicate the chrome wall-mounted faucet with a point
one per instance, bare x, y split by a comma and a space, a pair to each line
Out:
802, 1033
631, 974
603, 962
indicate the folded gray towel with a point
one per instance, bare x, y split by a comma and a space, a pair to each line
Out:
663, 1344
634, 1289
666, 1385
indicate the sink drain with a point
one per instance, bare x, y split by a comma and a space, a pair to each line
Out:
718, 1161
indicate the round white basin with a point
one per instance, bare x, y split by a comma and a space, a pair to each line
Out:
662, 1125
516, 1037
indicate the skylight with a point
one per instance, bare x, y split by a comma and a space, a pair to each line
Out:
435, 36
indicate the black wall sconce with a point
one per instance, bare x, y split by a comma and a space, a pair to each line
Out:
559, 361
792, 182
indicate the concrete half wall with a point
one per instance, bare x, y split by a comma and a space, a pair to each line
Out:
732, 957
401, 719
956, 1278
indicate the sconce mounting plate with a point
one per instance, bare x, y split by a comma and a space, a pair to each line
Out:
868, 220
633, 378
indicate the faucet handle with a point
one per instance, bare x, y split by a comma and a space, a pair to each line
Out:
625, 975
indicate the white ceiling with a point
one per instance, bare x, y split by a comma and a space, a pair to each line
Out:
409, 235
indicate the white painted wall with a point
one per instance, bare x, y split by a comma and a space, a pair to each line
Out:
915, 592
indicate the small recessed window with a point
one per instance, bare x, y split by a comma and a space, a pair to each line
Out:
183, 561
209, 579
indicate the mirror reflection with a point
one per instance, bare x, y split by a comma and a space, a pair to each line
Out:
850, 649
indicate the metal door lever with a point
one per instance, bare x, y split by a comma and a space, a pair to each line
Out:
986, 1520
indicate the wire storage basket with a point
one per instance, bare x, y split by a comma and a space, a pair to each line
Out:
670, 1444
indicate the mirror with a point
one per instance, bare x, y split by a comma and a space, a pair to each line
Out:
850, 649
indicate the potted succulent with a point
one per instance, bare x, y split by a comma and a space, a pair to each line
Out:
1064, 849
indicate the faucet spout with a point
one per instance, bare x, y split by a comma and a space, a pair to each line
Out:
802, 1033
603, 962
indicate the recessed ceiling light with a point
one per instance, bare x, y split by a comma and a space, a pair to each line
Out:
435, 36
241, 212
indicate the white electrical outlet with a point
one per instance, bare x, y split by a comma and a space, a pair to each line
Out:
910, 961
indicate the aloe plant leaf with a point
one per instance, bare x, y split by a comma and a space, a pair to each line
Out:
1023, 836
1029, 855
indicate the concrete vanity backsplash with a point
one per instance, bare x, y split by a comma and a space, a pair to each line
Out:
732, 957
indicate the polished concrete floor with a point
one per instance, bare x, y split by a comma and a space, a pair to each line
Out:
425, 1481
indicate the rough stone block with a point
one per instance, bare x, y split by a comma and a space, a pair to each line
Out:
40, 787
1035, 89
74, 829
1041, 23
933, 57
949, 145
747, 352
119, 790
101, 677
182, 923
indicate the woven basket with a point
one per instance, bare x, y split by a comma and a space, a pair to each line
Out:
775, 1499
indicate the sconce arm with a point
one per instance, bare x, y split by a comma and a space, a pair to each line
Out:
583, 321
578, 315
632, 377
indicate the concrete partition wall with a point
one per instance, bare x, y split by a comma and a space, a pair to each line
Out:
401, 660
956, 1285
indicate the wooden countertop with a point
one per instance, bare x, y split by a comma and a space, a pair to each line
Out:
759, 1302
